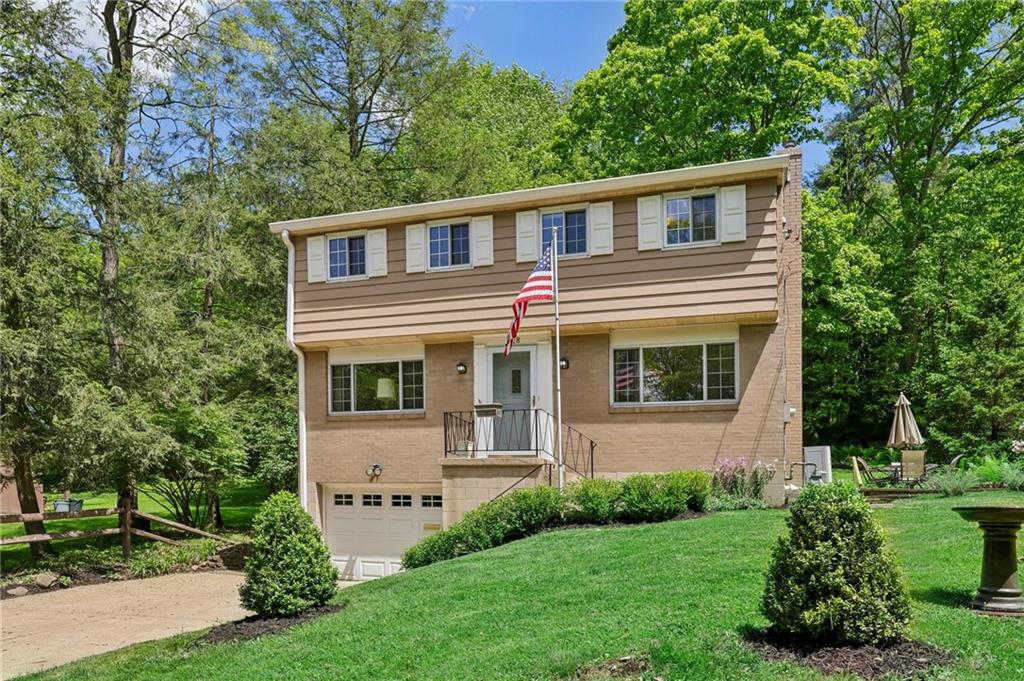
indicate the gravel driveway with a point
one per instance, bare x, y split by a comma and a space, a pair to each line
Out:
51, 629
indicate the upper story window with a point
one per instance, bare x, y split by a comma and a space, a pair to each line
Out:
674, 374
690, 220
346, 257
572, 231
449, 245
377, 386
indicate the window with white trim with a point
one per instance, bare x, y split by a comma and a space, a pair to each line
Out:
397, 385
674, 374
342, 499
373, 500
401, 500
449, 245
572, 231
346, 257
430, 500
690, 220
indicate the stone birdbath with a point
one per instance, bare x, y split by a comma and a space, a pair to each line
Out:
999, 592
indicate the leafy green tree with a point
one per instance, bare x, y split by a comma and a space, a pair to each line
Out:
942, 76
207, 454
487, 134
703, 81
926, 160
847, 319
42, 262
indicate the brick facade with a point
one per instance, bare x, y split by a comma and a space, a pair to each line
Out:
410, 447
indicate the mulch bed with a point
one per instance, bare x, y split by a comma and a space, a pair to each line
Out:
901, 660
254, 626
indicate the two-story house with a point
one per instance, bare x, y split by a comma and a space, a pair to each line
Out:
680, 344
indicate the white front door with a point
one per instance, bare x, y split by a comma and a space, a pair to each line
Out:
368, 530
511, 383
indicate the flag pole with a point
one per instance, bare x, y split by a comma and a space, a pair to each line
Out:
558, 359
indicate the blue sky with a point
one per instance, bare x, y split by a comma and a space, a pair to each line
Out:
562, 39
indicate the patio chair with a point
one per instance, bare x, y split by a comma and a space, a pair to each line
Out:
912, 467
876, 475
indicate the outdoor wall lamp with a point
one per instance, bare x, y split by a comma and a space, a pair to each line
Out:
461, 368
563, 363
374, 471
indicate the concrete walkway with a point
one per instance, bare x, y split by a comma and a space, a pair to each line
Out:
46, 630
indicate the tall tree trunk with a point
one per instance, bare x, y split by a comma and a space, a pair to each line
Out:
119, 20
25, 483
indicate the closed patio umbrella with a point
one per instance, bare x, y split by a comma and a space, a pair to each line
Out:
904, 432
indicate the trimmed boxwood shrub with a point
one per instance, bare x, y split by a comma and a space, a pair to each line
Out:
654, 498
289, 569
512, 516
523, 512
693, 486
591, 501
831, 578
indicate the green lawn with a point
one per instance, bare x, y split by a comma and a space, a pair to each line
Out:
238, 505
680, 593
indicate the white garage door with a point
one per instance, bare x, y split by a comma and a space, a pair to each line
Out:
367, 531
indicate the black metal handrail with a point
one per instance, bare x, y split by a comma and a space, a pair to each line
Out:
527, 432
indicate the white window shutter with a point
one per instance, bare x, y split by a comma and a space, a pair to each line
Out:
377, 252
649, 224
527, 235
481, 234
316, 267
416, 248
734, 213
602, 228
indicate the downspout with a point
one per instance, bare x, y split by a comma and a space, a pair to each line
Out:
290, 332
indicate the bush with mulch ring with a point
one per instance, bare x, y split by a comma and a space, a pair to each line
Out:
901, 660
254, 626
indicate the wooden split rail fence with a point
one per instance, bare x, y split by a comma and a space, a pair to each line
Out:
125, 527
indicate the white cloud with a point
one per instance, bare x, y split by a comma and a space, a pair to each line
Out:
467, 10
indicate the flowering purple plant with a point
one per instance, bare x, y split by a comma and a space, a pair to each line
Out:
736, 477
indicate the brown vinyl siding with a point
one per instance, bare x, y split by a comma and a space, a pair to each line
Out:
724, 280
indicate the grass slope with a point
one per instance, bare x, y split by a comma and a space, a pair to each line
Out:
238, 505
680, 592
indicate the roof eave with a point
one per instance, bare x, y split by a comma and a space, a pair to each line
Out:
539, 195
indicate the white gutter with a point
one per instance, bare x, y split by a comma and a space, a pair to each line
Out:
290, 332
540, 196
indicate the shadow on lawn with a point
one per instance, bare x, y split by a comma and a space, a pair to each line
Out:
953, 598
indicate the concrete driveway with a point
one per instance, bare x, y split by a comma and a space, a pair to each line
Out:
50, 629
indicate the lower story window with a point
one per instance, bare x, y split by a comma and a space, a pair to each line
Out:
401, 500
674, 374
342, 499
377, 386
431, 501
373, 500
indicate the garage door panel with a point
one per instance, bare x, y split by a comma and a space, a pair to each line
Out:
367, 542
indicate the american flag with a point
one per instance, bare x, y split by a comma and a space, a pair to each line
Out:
537, 287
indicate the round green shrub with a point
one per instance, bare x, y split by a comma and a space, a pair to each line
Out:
831, 578
591, 501
289, 569
648, 499
693, 488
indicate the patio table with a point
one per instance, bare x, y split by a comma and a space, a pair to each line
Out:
999, 592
